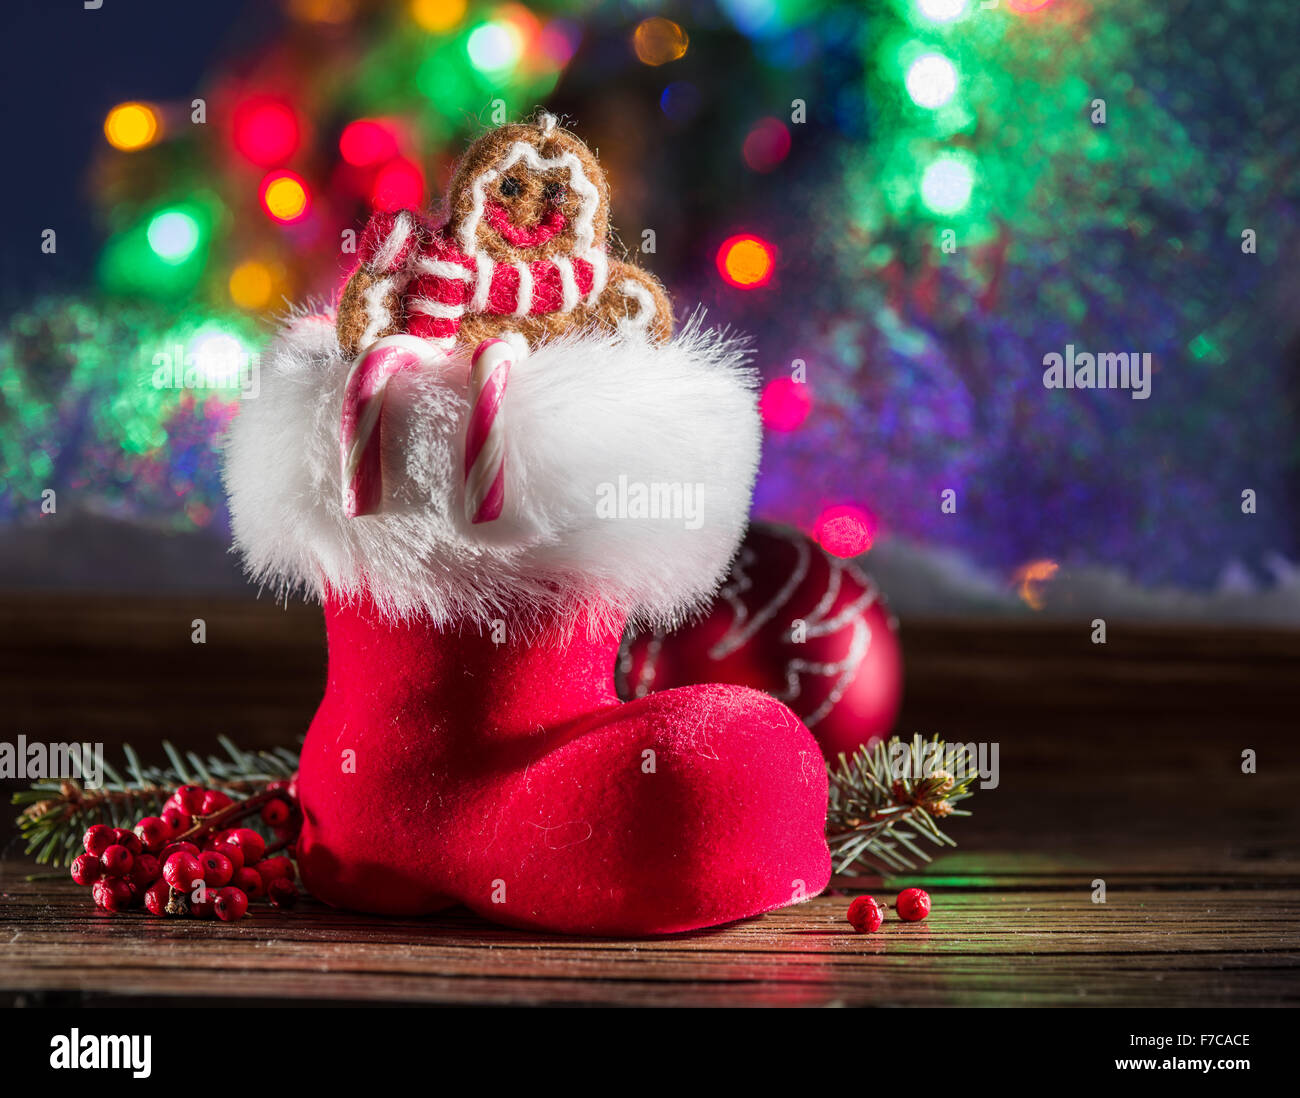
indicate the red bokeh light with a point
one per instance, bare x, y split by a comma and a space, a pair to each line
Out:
785, 404
266, 131
399, 184
366, 142
767, 144
844, 530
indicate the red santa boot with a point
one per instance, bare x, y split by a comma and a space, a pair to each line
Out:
502, 773
470, 748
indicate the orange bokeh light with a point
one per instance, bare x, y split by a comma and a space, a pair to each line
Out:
285, 197
658, 40
746, 261
1032, 578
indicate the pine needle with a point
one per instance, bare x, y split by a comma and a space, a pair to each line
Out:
886, 797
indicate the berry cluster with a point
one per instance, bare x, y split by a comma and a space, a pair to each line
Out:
866, 913
187, 860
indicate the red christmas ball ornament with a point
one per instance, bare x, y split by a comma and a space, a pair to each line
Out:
865, 915
808, 628
912, 905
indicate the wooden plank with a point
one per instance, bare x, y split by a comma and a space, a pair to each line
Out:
1120, 762
1143, 947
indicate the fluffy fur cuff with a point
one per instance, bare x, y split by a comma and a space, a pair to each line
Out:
629, 468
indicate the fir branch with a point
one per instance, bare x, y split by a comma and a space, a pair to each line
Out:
55, 814
884, 798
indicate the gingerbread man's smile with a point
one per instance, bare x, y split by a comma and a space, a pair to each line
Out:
525, 236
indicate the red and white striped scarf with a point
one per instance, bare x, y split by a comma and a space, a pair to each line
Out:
439, 284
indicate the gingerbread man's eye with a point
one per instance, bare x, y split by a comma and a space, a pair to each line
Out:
510, 186
553, 192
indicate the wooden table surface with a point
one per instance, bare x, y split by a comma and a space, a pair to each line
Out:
1119, 762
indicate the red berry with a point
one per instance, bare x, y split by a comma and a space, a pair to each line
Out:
189, 799
274, 869
230, 849
282, 893
275, 813
181, 870
86, 869
146, 870
117, 861
230, 905
97, 839
175, 818
250, 842
213, 801
156, 897
176, 848
217, 870
912, 905
128, 839
865, 915
249, 881
111, 893
153, 833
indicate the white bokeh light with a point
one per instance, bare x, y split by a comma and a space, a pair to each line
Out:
931, 81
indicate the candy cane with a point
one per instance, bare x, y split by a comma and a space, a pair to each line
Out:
363, 403
485, 445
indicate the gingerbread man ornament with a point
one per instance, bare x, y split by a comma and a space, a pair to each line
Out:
524, 254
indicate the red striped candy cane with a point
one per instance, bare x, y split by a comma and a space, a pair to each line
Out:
363, 403
485, 444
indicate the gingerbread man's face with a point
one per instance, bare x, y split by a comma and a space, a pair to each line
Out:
529, 192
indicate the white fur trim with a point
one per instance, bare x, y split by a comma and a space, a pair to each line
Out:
518, 344
587, 410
